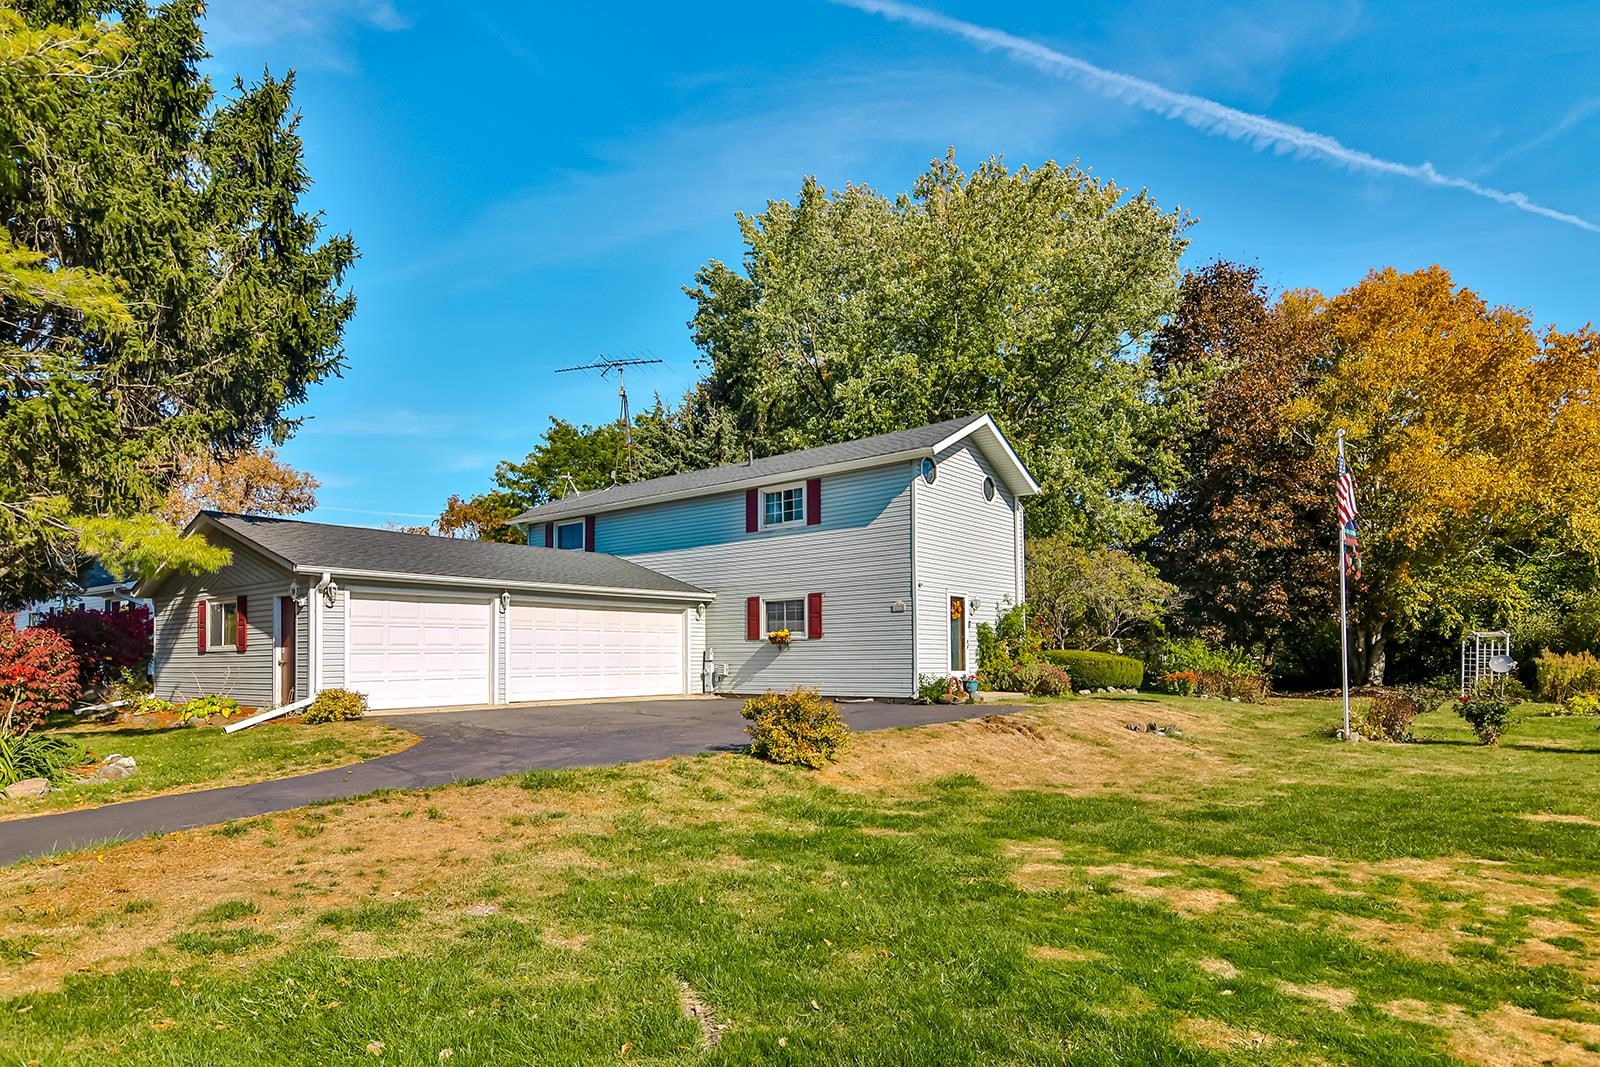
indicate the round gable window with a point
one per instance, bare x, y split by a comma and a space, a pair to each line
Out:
930, 471
988, 488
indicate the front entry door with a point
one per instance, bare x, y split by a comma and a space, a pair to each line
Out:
284, 650
958, 635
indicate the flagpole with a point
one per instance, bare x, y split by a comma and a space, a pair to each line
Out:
1344, 612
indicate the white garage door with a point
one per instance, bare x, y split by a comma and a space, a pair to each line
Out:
560, 653
420, 652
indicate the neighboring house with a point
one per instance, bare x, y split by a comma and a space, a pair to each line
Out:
96, 588
879, 556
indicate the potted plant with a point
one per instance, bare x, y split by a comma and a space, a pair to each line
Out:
780, 638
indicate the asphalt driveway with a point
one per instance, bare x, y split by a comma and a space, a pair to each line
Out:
455, 745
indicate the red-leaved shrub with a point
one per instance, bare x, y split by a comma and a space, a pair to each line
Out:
38, 675
105, 642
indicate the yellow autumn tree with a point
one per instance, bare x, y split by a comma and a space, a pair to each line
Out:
254, 483
1475, 443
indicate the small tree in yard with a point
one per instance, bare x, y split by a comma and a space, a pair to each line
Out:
796, 727
105, 642
38, 676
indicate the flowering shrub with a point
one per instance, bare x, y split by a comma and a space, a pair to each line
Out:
1582, 704
38, 676
1487, 712
1042, 679
1218, 672
1181, 683
105, 642
336, 705
795, 727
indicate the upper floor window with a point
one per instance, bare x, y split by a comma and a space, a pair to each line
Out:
780, 507
222, 620
570, 535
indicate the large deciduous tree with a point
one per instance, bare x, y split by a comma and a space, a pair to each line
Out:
568, 457
1027, 294
162, 291
1247, 531
254, 483
1475, 443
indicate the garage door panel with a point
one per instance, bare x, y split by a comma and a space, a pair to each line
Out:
561, 653
416, 652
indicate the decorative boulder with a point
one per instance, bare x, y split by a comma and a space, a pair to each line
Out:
28, 787
113, 768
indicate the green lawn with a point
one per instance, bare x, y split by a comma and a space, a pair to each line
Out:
190, 757
1254, 892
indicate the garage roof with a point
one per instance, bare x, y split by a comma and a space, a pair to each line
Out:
356, 550
846, 455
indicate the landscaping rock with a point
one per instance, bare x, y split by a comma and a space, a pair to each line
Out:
112, 769
28, 787
1083, 692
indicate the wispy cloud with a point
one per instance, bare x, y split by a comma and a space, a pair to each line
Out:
400, 422
1203, 114
230, 23
1575, 114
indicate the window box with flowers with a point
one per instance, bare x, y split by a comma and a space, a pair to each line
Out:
781, 638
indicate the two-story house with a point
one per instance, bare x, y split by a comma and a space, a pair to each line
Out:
877, 557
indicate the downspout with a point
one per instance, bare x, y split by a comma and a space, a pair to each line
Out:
916, 678
314, 603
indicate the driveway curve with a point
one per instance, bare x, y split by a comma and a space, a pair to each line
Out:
455, 745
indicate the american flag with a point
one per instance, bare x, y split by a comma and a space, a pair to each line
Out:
1346, 496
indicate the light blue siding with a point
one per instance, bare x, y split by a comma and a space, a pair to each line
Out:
857, 558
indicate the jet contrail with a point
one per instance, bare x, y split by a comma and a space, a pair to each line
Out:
1197, 111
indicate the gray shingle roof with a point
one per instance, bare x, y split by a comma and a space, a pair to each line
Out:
356, 548
885, 445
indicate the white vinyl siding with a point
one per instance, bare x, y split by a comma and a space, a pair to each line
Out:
856, 557
967, 546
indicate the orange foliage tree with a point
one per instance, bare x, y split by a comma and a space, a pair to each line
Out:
254, 483
1474, 439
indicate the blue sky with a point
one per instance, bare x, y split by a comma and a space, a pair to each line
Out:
531, 187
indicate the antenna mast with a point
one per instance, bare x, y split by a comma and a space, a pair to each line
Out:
606, 365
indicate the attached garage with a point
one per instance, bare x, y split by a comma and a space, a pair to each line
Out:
564, 652
420, 651
421, 622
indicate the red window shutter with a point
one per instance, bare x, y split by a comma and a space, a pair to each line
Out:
813, 615
588, 533
813, 501
200, 624
241, 626
752, 510
549, 535
752, 618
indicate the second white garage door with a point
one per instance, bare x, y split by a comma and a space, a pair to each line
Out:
419, 652
563, 653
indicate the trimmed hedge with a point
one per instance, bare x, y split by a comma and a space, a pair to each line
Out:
1098, 670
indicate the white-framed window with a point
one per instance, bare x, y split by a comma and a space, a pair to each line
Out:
222, 625
569, 534
783, 506
786, 615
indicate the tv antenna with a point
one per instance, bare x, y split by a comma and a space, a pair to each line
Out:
606, 365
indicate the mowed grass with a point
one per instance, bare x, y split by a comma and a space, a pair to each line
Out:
1065, 892
177, 758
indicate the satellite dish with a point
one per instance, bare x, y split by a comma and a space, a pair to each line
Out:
1502, 664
